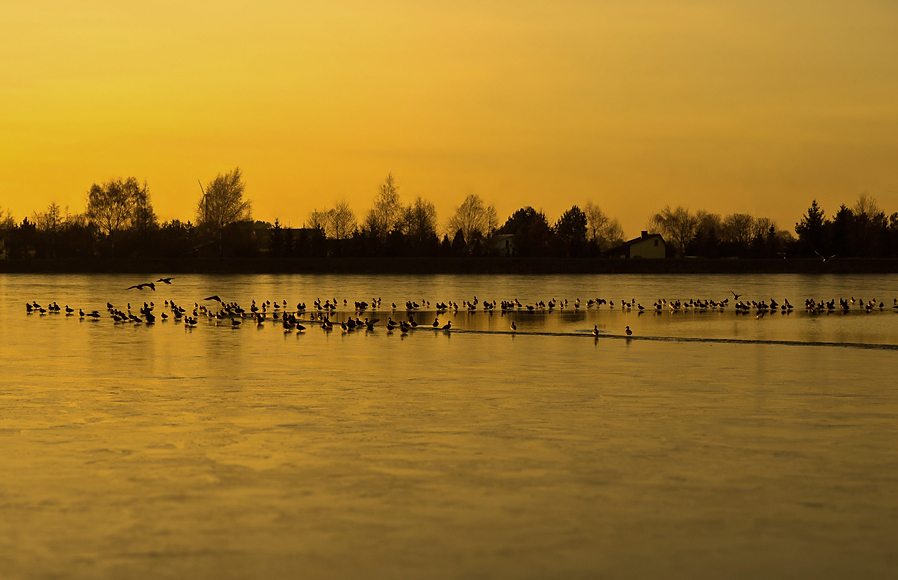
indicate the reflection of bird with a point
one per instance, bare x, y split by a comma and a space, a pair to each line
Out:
825, 258
629, 332
165, 280
149, 285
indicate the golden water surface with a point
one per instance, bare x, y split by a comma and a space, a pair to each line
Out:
136, 451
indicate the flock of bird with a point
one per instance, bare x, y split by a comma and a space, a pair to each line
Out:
222, 312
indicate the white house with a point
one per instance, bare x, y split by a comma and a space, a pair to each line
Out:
645, 246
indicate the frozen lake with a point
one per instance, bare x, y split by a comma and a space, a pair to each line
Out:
709, 445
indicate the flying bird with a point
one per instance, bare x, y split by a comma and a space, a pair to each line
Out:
149, 285
165, 280
825, 258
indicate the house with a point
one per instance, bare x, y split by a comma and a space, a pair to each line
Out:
501, 244
645, 246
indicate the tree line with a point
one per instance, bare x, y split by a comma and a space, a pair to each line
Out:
394, 229
119, 221
861, 231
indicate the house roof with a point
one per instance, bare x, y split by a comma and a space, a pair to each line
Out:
626, 245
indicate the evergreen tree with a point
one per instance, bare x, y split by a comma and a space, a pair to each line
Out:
812, 232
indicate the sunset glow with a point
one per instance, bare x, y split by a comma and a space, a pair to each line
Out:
755, 107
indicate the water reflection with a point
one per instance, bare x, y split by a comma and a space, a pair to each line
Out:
133, 450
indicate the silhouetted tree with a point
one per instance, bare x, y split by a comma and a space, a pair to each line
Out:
222, 205
459, 246
473, 215
338, 223
869, 231
707, 241
177, 239
446, 246
570, 230
812, 234
418, 224
77, 238
532, 233
677, 226
48, 226
739, 230
7, 225
384, 217
341, 222
317, 220
601, 231
840, 232
21, 240
111, 207
143, 224
276, 240
310, 243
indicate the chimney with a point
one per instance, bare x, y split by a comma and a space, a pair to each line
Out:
645, 234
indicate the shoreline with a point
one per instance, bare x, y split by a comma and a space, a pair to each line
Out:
400, 266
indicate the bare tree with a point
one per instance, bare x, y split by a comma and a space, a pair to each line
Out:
341, 222
317, 220
222, 202
111, 206
472, 218
221, 205
612, 234
6, 221
764, 226
605, 232
595, 219
387, 211
739, 228
143, 218
50, 221
867, 206
676, 225
419, 220
707, 222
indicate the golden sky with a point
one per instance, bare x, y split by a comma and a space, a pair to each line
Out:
739, 106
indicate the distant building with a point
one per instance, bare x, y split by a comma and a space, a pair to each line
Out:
645, 246
502, 244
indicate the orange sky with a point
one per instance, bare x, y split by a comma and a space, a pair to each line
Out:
754, 107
